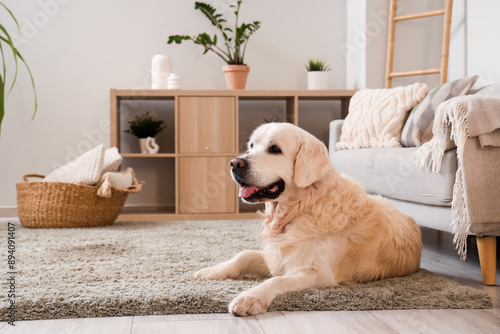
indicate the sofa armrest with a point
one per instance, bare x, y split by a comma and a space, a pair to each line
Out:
481, 177
335, 132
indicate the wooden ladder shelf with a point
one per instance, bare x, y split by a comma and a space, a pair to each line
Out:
443, 69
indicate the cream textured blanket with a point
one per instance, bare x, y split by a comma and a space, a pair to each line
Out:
461, 118
376, 116
87, 168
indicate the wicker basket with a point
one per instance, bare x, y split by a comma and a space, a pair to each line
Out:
58, 204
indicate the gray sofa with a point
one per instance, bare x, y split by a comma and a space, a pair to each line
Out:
425, 196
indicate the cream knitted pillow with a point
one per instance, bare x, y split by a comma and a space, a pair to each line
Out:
376, 116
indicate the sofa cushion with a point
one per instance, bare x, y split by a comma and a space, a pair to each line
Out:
491, 89
391, 172
376, 116
418, 126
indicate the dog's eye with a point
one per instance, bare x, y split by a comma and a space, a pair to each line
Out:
251, 145
274, 149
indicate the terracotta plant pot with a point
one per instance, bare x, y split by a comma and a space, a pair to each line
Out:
236, 76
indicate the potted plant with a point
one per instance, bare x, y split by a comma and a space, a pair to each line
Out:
146, 127
317, 78
235, 43
6, 43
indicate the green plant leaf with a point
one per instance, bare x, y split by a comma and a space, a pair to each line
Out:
178, 39
32, 83
241, 33
17, 56
315, 65
2, 91
13, 18
145, 125
2, 103
209, 12
14, 52
4, 70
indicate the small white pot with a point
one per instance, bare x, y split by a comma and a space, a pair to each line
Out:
148, 145
317, 80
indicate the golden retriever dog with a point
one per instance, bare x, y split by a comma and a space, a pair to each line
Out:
320, 228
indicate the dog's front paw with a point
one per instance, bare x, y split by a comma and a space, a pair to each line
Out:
245, 305
218, 272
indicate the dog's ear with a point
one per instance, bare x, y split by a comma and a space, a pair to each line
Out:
311, 162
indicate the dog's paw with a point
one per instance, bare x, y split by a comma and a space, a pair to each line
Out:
214, 273
245, 305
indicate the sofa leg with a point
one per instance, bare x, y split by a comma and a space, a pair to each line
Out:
487, 249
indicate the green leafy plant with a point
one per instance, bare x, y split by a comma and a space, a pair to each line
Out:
233, 51
317, 65
7, 43
145, 125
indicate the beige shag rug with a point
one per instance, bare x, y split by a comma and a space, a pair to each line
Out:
147, 268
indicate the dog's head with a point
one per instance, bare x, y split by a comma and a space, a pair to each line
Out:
280, 157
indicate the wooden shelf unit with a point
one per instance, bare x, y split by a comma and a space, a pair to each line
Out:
206, 136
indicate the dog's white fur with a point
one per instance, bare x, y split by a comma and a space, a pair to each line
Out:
321, 231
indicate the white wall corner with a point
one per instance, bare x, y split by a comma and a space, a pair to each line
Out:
457, 59
354, 48
367, 24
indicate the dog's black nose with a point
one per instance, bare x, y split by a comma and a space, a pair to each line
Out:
238, 163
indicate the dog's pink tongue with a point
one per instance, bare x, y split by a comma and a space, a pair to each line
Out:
246, 191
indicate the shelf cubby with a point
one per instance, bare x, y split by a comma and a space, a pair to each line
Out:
189, 177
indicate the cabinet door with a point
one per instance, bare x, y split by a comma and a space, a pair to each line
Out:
206, 124
205, 185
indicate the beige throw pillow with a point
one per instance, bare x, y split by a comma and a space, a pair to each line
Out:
377, 116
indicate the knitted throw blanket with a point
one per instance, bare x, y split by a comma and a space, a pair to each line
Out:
461, 118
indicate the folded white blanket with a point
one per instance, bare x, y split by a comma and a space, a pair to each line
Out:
87, 168
112, 160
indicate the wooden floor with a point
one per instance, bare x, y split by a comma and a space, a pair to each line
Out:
438, 256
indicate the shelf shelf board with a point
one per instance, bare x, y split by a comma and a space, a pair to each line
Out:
148, 209
167, 213
124, 94
204, 155
141, 155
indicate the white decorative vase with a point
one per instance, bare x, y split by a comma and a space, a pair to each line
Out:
148, 145
174, 82
317, 80
161, 67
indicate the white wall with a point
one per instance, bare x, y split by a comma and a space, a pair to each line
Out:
79, 49
473, 50
355, 47
482, 35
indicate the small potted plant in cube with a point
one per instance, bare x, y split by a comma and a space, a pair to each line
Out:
146, 127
